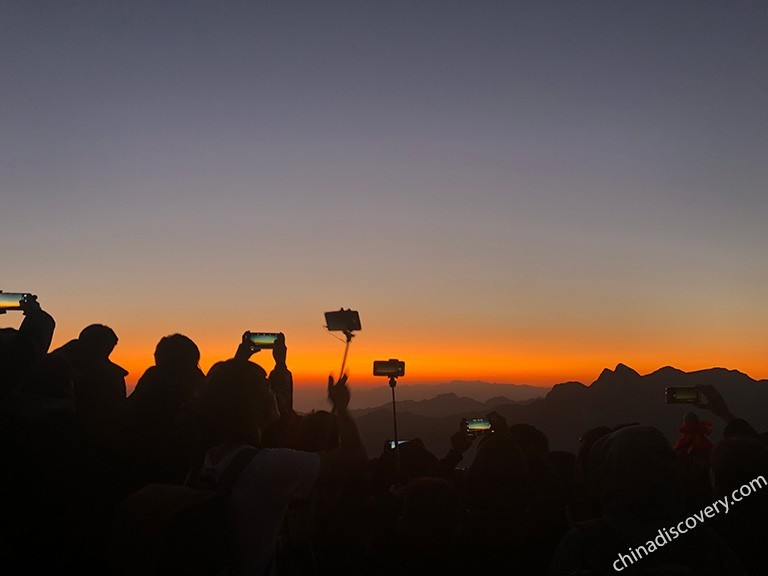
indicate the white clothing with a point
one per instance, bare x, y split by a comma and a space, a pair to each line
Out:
259, 501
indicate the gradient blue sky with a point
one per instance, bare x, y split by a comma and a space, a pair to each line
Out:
518, 191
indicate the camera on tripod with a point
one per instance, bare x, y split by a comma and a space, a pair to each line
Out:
392, 368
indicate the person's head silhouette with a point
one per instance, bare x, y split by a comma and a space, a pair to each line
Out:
176, 352
98, 340
237, 401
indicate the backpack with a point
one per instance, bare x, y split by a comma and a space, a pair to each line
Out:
164, 529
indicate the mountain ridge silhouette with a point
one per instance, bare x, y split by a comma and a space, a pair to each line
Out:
619, 395
366, 398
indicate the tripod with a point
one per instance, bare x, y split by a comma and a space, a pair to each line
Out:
392, 384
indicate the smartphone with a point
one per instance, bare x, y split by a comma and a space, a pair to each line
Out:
683, 395
262, 339
13, 300
343, 320
478, 426
393, 444
392, 367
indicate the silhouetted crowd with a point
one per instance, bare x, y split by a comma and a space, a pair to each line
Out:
216, 473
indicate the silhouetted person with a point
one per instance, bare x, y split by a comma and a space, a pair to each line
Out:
586, 501
414, 461
161, 440
461, 441
30, 386
530, 439
692, 450
694, 437
22, 350
284, 432
53, 495
736, 462
428, 536
238, 405
99, 384
499, 492
172, 381
326, 535
716, 404
319, 431
432, 517
24, 415
389, 476
634, 471
550, 494
498, 480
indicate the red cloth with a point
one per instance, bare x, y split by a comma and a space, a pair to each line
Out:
693, 438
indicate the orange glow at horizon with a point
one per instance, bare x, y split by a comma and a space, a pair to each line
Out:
435, 347
538, 364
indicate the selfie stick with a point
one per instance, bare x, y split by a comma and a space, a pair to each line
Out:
392, 384
349, 335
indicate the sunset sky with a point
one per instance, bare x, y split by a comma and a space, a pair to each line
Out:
520, 192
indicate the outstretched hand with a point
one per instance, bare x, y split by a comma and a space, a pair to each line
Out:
338, 393
280, 350
498, 423
715, 402
246, 349
461, 441
29, 304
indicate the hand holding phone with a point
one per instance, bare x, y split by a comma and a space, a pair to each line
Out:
392, 444
17, 301
338, 393
478, 427
683, 395
261, 340
461, 440
713, 401
279, 350
253, 342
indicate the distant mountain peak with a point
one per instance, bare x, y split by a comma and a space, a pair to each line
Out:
565, 391
443, 396
625, 370
619, 375
606, 373
668, 370
722, 371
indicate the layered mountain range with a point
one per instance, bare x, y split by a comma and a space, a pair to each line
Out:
618, 396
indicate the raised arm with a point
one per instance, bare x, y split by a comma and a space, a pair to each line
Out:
461, 441
281, 379
350, 455
37, 325
715, 403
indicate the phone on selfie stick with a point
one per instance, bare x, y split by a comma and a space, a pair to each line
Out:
346, 322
